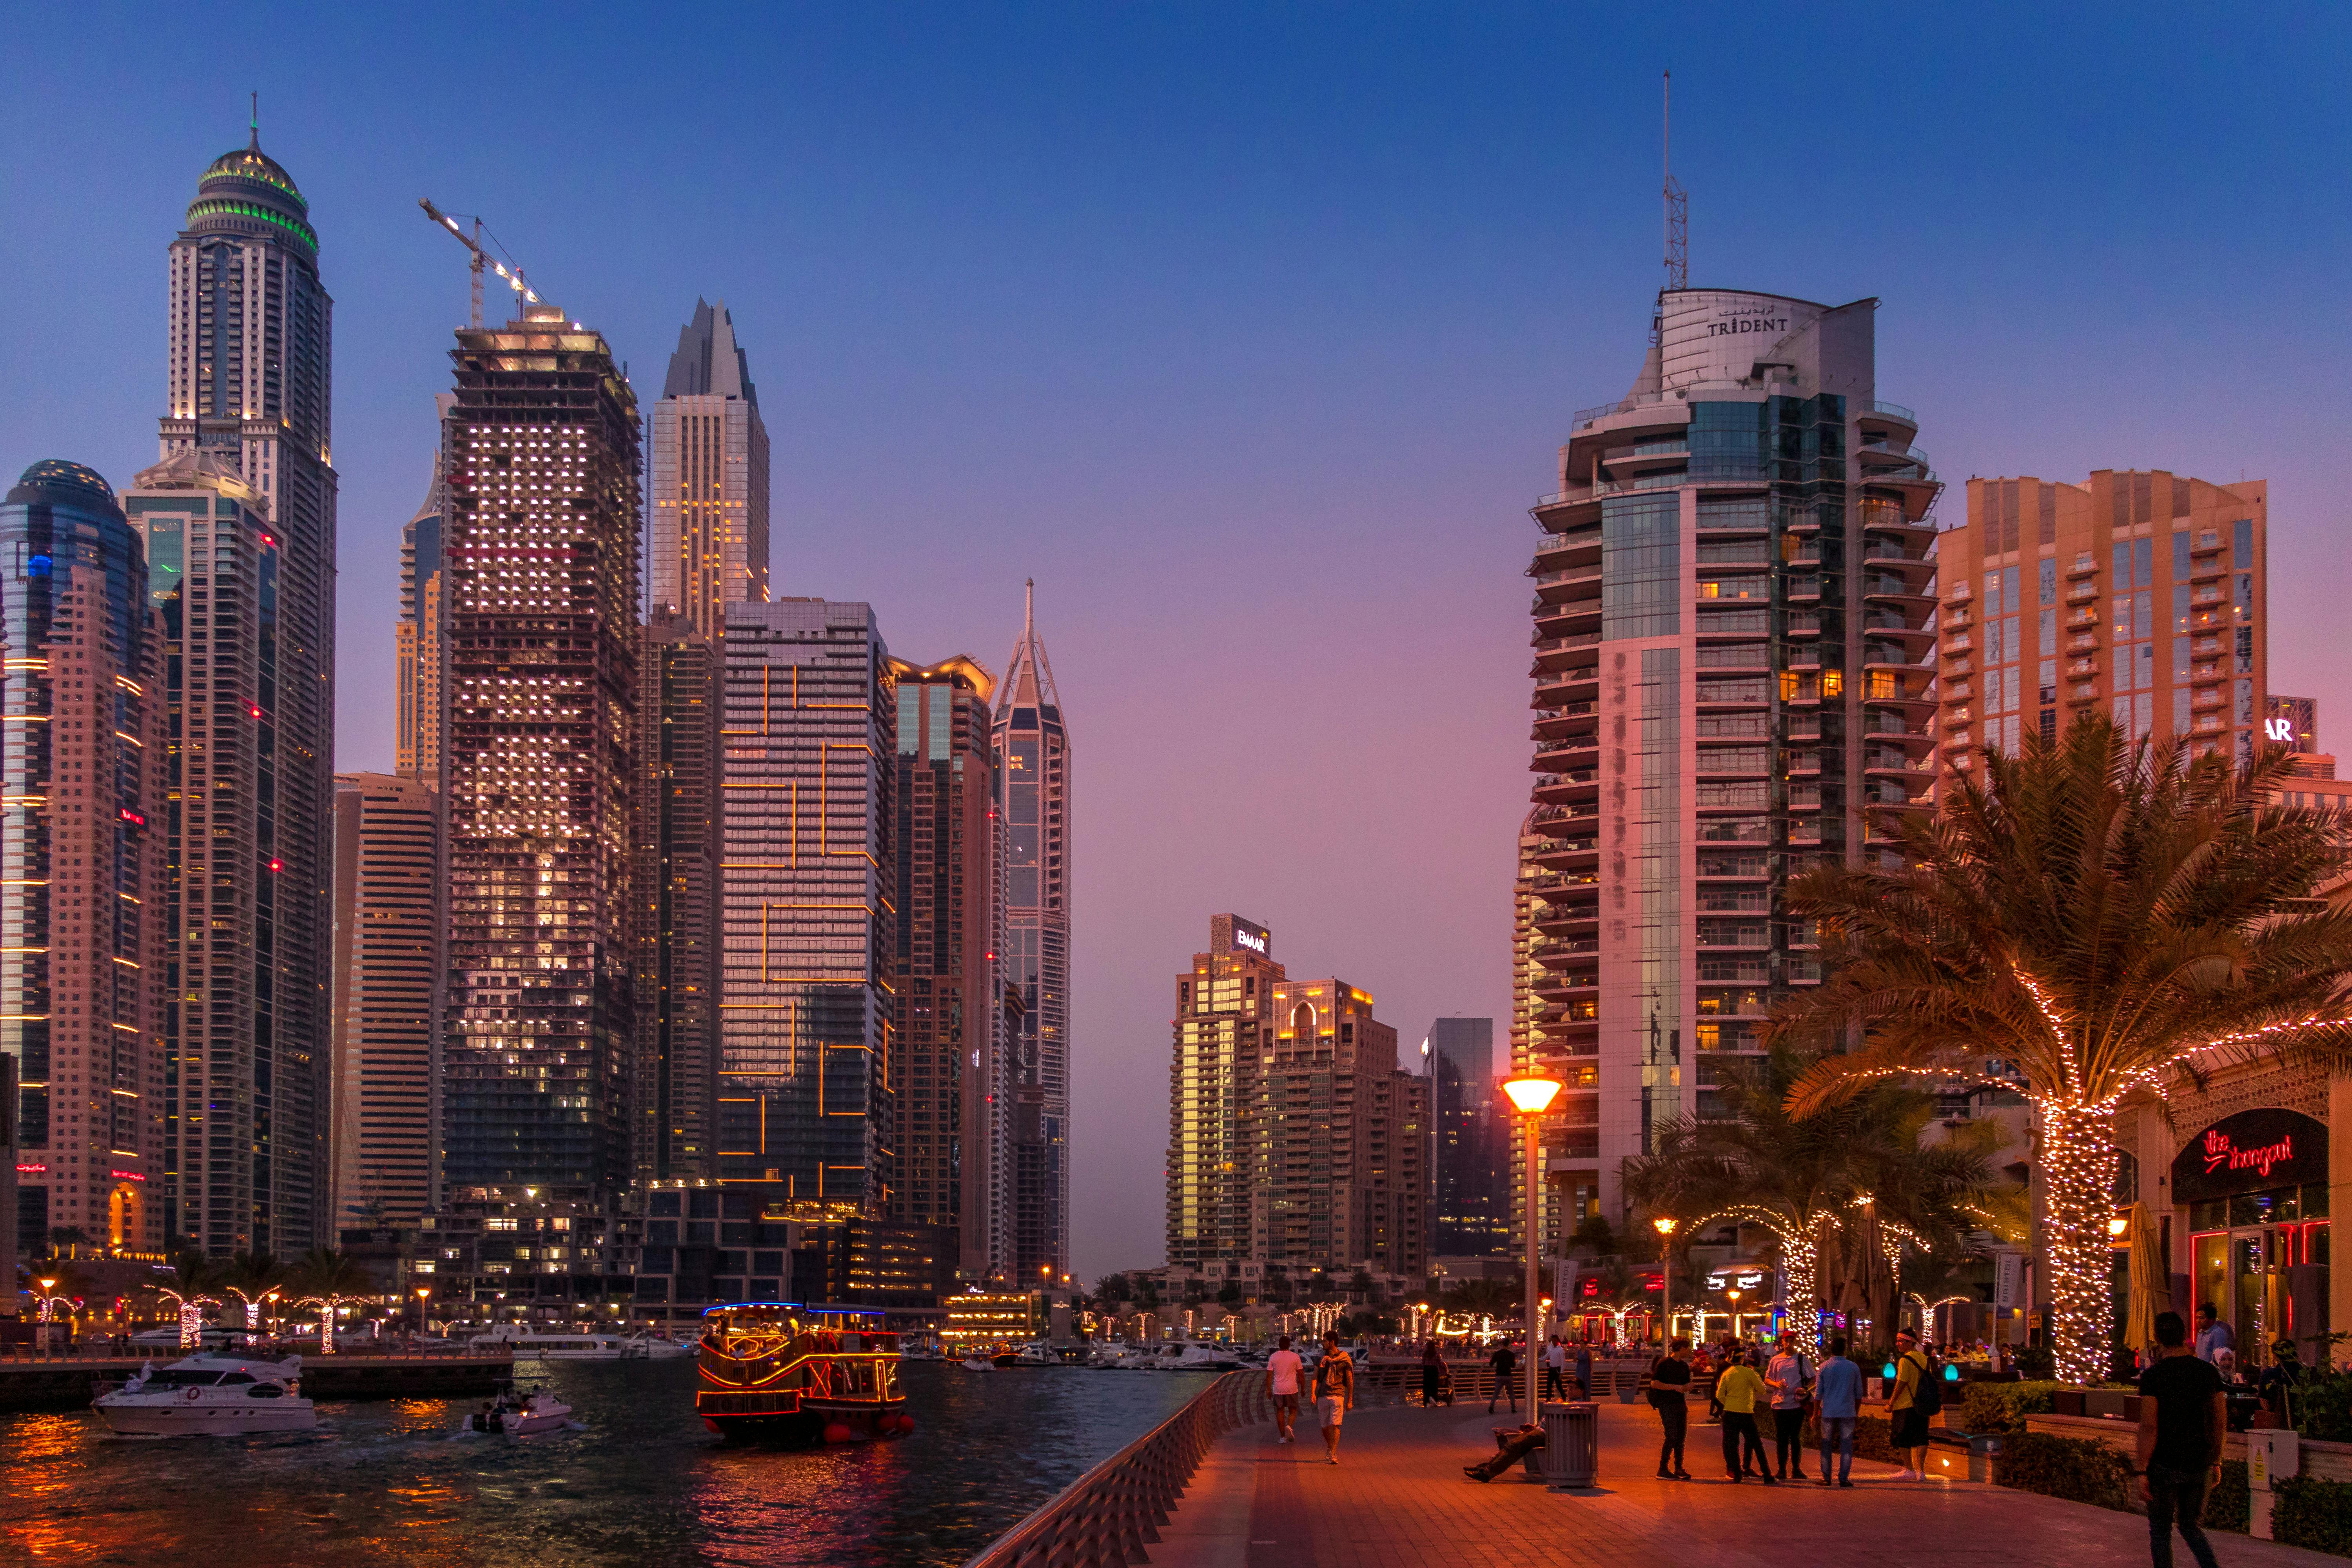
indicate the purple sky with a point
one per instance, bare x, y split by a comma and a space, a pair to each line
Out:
1250, 336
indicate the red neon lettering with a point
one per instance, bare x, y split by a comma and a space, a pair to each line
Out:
2219, 1152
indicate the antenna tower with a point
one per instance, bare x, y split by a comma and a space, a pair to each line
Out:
1677, 202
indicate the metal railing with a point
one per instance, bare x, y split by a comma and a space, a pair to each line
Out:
1113, 1511
1896, 409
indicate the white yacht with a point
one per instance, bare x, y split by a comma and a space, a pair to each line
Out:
1205, 1357
561, 1347
653, 1347
211, 1395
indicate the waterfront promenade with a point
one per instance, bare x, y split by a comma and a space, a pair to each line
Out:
1397, 1500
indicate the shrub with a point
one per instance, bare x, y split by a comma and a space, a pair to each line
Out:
2001, 1406
1873, 1440
2075, 1468
2229, 1506
2313, 1513
2322, 1407
2035, 1362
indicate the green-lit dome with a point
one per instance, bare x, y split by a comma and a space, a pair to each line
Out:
247, 191
57, 482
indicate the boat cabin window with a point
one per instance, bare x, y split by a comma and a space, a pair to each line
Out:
176, 1378
237, 1378
264, 1391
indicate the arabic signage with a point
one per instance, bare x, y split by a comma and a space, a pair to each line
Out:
2253, 1152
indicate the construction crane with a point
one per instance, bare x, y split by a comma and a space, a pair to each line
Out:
473, 243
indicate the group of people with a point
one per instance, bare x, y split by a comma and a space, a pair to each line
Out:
1332, 1380
1560, 1363
1795, 1390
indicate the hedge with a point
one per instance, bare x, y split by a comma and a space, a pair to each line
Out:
2001, 1407
2075, 1468
2313, 1513
2230, 1505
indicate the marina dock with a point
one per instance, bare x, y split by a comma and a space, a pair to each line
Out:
32, 1381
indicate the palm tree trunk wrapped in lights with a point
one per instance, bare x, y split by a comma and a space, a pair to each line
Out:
2093, 920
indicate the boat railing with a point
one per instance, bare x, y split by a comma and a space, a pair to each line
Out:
1113, 1511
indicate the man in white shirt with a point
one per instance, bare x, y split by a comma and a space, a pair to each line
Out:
1555, 1369
1283, 1371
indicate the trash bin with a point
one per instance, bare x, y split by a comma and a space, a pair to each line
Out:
1571, 1450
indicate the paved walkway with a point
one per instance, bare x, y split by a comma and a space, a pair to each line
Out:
1397, 1500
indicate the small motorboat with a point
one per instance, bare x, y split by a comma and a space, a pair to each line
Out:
653, 1347
977, 1363
521, 1415
210, 1394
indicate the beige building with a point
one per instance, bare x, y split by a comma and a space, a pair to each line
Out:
387, 972
2140, 593
1223, 1028
1341, 1137
709, 485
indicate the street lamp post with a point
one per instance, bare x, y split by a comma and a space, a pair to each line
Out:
1533, 1096
1666, 1224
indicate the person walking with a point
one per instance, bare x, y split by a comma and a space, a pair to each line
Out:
1432, 1373
1789, 1376
1283, 1371
1335, 1394
2213, 1335
1504, 1364
1837, 1391
1670, 1378
2182, 1416
1737, 1391
1906, 1411
1555, 1369
1583, 1369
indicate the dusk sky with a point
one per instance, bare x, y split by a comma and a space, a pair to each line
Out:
1251, 333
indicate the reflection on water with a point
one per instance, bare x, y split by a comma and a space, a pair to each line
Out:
644, 1483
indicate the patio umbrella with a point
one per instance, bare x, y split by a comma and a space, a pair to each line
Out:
2151, 1286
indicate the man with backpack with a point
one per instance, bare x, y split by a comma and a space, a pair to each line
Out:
1504, 1364
1918, 1394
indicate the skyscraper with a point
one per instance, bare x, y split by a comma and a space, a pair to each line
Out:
1341, 1135
2140, 593
249, 368
421, 636
540, 568
388, 974
82, 827
1733, 655
805, 1067
949, 1087
1470, 1172
675, 1109
710, 478
1224, 1029
1033, 752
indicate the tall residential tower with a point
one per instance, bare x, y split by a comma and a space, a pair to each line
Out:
541, 563
83, 821
249, 367
1032, 751
710, 478
1734, 648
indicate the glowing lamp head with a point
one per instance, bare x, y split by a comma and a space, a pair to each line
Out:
1532, 1094
2118, 1225
1666, 1224
49, 1284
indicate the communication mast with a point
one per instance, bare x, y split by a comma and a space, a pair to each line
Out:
482, 258
1677, 202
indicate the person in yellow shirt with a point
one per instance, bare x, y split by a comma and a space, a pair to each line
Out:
1903, 1410
1739, 1390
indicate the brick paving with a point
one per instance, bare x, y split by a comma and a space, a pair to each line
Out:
1397, 1500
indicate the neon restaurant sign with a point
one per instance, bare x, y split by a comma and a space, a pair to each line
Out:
2252, 1151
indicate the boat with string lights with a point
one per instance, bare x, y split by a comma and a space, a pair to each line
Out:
781, 1372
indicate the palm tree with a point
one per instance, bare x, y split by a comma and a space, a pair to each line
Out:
328, 1280
2108, 920
1841, 1194
194, 1274
67, 1237
252, 1278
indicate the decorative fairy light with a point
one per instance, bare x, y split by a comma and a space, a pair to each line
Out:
192, 1316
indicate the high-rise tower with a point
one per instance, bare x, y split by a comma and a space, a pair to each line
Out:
1733, 649
804, 1105
1033, 752
1224, 1030
388, 975
710, 478
540, 565
421, 636
249, 366
82, 841
949, 1085
2140, 593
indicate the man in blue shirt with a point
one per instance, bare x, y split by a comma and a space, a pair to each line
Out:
2213, 1336
1838, 1386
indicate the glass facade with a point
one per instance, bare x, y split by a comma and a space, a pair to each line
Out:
81, 862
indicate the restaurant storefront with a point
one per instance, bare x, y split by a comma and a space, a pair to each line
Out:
2244, 1183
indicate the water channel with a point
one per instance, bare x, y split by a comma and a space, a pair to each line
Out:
640, 1483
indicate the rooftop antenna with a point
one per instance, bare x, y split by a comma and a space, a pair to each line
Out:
1677, 202
256, 120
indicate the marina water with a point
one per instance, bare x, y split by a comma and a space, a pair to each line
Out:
640, 1482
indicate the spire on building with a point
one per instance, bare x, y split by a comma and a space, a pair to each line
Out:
707, 362
1029, 675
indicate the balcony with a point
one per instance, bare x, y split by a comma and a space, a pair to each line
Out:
1568, 586
2082, 666
2081, 619
2083, 564
2081, 591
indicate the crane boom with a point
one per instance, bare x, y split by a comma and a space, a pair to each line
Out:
481, 258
